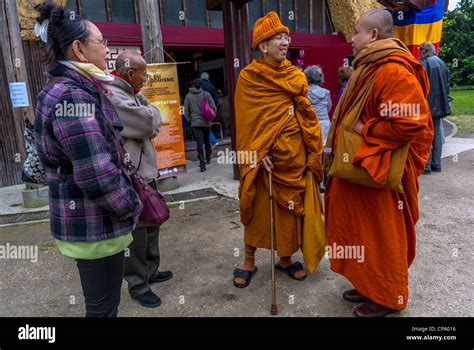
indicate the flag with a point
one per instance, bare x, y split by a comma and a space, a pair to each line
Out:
414, 28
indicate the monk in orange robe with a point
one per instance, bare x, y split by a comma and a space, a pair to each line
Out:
379, 221
274, 120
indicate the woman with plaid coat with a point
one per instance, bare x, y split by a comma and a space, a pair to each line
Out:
93, 206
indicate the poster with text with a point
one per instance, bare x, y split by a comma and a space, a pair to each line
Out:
162, 90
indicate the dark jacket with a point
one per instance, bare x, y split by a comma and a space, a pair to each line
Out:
438, 75
90, 198
206, 85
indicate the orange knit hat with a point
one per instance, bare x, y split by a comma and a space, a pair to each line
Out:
266, 27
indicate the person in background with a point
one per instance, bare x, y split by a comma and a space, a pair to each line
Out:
212, 139
223, 112
93, 207
438, 100
199, 126
319, 97
141, 124
344, 73
206, 85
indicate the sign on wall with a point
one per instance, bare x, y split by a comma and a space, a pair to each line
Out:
19, 95
114, 52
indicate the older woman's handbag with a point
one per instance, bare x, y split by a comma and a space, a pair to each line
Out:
155, 210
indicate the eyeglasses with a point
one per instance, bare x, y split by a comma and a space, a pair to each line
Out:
282, 38
100, 41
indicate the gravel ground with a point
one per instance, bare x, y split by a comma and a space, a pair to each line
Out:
199, 244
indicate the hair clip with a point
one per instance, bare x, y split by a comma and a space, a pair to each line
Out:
41, 30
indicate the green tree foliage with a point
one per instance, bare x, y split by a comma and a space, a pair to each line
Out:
457, 47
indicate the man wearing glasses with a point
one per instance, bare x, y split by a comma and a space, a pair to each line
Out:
275, 120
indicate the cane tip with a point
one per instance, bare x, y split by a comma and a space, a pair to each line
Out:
274, 309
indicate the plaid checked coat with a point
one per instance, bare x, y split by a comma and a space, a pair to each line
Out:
90, 197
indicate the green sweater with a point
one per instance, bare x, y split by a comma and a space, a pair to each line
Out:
94, 250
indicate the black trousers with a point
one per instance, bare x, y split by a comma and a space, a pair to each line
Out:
143, 258
101, 281
201, 135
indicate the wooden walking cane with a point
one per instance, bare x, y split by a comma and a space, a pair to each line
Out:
274, 309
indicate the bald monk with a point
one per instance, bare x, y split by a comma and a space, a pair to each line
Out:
378, 221
274, 119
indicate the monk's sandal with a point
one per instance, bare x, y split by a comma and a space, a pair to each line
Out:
245, 275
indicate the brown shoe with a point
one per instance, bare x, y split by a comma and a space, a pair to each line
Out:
354, 296
372, 309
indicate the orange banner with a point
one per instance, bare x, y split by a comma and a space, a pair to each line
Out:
162, 90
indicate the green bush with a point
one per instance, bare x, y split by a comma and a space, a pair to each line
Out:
457, 45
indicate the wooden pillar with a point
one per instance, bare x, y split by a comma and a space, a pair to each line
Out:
237, 53
151, 31
15, 68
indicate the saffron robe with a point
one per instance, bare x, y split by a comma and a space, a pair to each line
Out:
274, 117
380, 220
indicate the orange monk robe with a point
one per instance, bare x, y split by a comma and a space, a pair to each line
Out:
380, 220
274, 116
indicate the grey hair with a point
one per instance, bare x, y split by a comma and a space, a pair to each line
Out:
205, 75
427, 48
314, 74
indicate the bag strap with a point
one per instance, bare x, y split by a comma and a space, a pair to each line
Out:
142, 151
118, 143
358, 103
121, 149
204, 99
